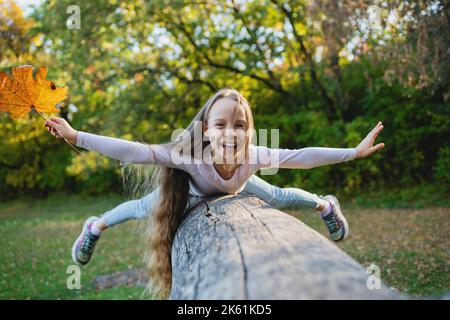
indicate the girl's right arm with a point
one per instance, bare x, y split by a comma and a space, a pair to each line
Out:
123, 150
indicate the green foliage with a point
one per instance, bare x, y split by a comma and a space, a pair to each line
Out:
138, 70
442, 166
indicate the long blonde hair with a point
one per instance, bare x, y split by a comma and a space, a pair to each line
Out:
172, 184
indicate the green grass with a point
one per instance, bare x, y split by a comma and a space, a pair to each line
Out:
422, 195
411, 246
36, 240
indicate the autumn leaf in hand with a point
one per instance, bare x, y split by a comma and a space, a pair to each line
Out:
21, 93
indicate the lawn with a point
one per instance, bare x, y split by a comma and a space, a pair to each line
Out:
411, 246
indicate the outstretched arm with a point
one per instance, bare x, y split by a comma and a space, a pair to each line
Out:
307, 158
119, 149
304, 158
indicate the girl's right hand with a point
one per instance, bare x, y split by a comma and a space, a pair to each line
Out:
61, 129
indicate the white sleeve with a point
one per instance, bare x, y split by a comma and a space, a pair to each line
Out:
305, 158
124, 150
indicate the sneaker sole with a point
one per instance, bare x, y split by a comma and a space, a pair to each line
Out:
341, 215
74, 246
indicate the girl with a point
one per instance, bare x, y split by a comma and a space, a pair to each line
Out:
280, 198
220, 159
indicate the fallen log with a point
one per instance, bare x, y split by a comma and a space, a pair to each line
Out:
239, 247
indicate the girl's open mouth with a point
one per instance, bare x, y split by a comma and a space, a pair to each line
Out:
229, 145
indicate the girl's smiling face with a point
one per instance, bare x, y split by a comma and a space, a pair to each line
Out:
226, 126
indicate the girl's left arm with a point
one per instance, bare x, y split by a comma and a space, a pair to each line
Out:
307, 158
304, 158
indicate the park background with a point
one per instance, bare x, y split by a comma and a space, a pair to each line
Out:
322, 72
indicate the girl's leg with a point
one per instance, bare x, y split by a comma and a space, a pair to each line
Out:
133, 209
283, 198
84, 246
293, 198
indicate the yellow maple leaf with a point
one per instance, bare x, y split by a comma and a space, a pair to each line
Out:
21, 93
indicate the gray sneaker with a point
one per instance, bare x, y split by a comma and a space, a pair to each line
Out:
335, 221
84, 246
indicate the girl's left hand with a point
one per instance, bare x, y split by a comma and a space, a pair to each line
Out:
366, 148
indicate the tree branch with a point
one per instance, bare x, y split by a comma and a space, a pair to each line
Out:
254, 38
181, 27
329, 102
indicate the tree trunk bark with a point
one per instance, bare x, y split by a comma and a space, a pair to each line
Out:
239, 247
